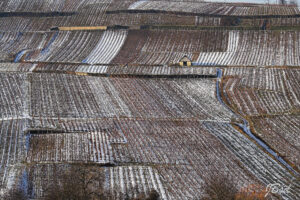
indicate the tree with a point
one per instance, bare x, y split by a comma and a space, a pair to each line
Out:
153, 195
77, 183
84, 182
222, 187
14, 194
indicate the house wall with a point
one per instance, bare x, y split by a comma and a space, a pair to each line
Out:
188, 64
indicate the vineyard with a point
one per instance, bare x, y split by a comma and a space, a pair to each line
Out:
214, 8
154, 47
78, 96
206, 48
138, 99
271, 100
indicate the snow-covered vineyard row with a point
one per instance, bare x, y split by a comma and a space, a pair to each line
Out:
81, 96
256, 91
65, 96
93, 69
175, 98
109, 69
188, 181
229, 48
256, 48
17, 67
93, 13
282, 133
226, 48
248, 152
207, 21
84, 17
133, 181
60, 95
75, 125
76, 46
45, 6
162, 70
116, 100
69, 147
214, 8
150, 117
49, 92
250, 101
107, 48
81, 46
12, 151
194, 149
266, 78
79, 13
219, 21
191, 164
138, 70
276, 21
165, 47
67, 47
261, 93
187, 6
14, 45
144, 135
12, 95
119, 181
99, 18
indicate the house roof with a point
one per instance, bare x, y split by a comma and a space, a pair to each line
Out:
185, 59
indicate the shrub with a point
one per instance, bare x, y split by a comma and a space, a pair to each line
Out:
153, 195
221, 187
15, 194
79, 182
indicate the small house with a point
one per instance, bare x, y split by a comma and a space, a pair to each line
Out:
185, 62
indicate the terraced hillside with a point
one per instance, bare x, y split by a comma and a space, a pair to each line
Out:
154, 47
271, 102
92, 91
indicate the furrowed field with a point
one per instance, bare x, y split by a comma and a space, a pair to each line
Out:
174, 99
